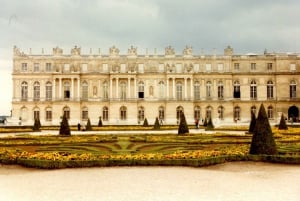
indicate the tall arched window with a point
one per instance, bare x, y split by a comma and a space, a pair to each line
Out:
105, 113
208, 89
123, 90
236, 89
141, 114
24, 91
237, 113
48, 114
66, 90
270, 112
123, 113
141, 89
197, 90
85, 90
85, 113
209, 112
48, 91
66, 112
179, 111
36, 91
220, 90
161, 89
197, 112
293, 89
253, 90
270, 90
221, 112
105, 90
179, 91
161, 113
36, 113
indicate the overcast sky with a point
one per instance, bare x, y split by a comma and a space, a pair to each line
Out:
247, 26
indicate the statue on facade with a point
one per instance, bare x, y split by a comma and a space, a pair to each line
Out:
188, 51
75, 51
57, 51
169, 51
188, 67
17, 52
113, 51
132, 51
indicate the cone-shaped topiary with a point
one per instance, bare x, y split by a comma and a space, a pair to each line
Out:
145, 124
183, 127
64, 127
36, 125
252, 122
282, 124
100, 122
210, 125
88, 125
156, 124
205, 122
262, 140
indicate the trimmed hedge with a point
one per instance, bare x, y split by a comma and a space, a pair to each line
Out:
48, 164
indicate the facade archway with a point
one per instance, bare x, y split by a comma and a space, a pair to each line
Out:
293, 113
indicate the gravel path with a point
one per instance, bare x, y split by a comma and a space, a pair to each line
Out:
239, 181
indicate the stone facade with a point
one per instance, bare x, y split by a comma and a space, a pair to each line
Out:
125, 89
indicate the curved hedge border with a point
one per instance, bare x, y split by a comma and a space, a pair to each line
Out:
50, 164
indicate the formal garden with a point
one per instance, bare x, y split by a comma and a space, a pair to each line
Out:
64, 150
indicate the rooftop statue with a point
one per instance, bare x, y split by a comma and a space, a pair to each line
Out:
132, 51
75, 50
113, 51
57, 51
188, 50
17, 52
169, 51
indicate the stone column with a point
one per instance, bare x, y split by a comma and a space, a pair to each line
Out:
192, 89
59, 90
173, 93
167, 88
72, 88
78, 89
110, 88
53, 90
129, 88
117, 87
185, 88
135, 88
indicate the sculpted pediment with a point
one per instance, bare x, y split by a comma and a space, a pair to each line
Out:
169, 51
113, 51
75, 51
57, 51
132, 51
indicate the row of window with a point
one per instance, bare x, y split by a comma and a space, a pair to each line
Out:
179, 90
161, 67
161, 113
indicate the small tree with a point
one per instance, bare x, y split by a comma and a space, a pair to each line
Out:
100, 122
262, 140
210, 125
282, 124
145, 123
205, 122
36, 125
156, 124
88, 125
252, 123
64, 127
183, 127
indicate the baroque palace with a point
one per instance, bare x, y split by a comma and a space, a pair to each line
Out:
126, 89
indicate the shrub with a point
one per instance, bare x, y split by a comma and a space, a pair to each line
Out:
210, 125
88, 125
156, 124
183, 127
64, 127
205, 122
145, 123
36, 125
100, 122
262, 140
282, 124
252, 123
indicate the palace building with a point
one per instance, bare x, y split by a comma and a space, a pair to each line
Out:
126, 89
